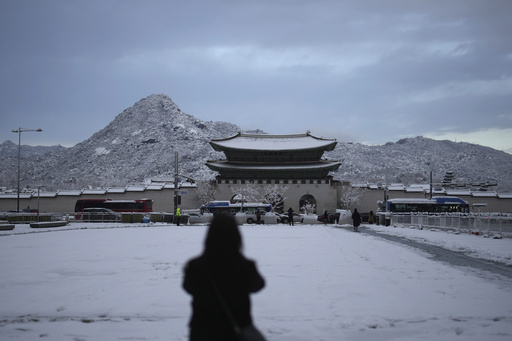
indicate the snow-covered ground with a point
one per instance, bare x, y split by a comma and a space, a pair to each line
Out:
123, 282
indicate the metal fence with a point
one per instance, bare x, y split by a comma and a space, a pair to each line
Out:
471, 223
92, 217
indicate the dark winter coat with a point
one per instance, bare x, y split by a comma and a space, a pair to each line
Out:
290, 213
326, 217
235, 278
356, 218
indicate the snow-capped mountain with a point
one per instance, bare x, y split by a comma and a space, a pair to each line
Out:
10, 149
140, 144
411, 160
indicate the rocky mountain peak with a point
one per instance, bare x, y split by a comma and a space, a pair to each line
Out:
139, 144
141, 141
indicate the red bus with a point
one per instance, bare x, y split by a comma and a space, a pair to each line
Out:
140, 205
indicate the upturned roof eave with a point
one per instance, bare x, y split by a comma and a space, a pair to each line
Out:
226, 165
218, 144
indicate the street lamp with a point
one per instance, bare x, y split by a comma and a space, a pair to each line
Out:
19, 131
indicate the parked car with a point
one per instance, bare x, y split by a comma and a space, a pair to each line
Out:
334, 217
331, 217
251, 217
198, 218
100, 214
195, 218
283, 218
364, 216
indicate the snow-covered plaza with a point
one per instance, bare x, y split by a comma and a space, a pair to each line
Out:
324, 282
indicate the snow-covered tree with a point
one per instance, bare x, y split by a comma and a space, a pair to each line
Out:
245, 193
274, 195
350, 196
308, 208
205, 191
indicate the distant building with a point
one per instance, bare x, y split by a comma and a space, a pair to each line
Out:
293, 162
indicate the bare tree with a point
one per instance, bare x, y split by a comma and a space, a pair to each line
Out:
245, 193
205, 191
350, 196
274, 195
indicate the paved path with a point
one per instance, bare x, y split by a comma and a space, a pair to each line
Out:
448, 256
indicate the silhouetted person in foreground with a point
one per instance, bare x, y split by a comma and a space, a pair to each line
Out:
221, 280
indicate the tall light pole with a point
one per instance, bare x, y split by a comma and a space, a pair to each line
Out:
176, 196
19, 131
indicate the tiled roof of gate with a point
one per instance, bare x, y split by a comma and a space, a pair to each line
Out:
273, 142
317, 165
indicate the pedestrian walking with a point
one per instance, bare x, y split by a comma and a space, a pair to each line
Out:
356, 220
290, 216
371, 218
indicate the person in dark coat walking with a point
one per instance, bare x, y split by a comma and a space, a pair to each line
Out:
222, 270
326, 217
356, 219
290, 216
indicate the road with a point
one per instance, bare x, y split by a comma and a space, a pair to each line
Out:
448, 256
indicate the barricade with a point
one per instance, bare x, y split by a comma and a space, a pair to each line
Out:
471, 223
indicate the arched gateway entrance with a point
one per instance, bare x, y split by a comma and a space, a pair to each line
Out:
307, 203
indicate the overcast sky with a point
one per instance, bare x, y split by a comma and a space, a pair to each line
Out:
363, 71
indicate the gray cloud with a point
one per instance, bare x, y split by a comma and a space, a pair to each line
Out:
365, 71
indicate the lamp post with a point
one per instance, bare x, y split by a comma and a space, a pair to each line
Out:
19, 131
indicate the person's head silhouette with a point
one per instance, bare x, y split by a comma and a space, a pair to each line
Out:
223, 237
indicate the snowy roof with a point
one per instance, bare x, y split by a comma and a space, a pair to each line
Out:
155, 187
135, 188
422, 186
458, 192
410, 200
414, 189
116, 190
484, 194
70, 192
94, 191
273, 142
15, 195
46, 194
217, 165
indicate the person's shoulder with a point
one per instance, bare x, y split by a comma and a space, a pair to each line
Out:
195, 262
250, 263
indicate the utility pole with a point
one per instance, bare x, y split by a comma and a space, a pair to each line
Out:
19, 131
175, 182
430, 185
